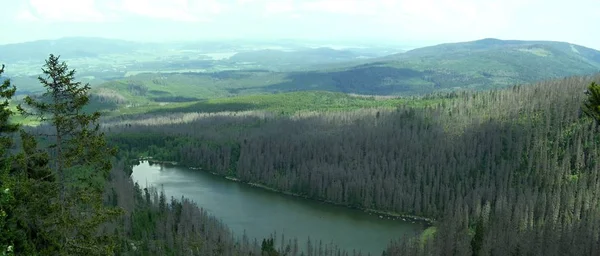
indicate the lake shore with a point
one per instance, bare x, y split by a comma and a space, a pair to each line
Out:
381, 213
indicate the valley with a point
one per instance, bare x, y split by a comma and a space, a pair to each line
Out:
488, 141
479, 65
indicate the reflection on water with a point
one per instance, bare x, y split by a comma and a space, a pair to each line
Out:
260, 213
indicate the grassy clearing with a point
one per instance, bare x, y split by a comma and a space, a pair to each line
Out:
282, 103
145, 88
427, 234
19, 119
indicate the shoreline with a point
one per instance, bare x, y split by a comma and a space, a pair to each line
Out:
381, 213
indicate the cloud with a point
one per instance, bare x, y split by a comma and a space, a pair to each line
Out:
394, 20
348, 7
281, 6
61, 10
26, 16
176, 10
449, 19
242, 2
118, 10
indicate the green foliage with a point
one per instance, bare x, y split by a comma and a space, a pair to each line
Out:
54, 205
519, 160
35, 199
428, 234
81, 161
6, 92
7, 184
286, 103
478, 235
27, 188
268, 247
591, 106
6, 202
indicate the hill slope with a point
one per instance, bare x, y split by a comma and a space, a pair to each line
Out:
522, 61
482, 64
70, 47
506, 172
476, 65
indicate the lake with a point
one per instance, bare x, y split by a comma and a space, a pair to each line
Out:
260, 213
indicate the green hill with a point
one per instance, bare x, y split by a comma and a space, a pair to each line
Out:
500, 60
70, 47
482, 64
476, 65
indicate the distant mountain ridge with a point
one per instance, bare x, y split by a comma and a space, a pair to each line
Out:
477, 65
480, 64
492, 44
474, 65
68, 47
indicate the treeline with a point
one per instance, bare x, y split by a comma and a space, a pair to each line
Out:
505, 172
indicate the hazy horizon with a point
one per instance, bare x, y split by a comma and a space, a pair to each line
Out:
377, 21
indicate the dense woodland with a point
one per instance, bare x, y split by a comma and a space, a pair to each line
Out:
504, 172
65, 192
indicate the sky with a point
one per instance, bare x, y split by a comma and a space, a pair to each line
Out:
384, 21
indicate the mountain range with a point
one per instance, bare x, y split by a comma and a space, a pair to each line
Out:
474, 65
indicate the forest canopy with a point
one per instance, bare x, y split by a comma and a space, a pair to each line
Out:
478, 163
502, 172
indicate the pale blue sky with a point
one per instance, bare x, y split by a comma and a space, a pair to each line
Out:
574, 21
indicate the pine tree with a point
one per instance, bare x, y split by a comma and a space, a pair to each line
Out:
6, 182
6, 92
80, 159
591, 106
26, 185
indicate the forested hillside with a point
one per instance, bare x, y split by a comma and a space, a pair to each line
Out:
502, 172
63, 191
474, 65
505, 172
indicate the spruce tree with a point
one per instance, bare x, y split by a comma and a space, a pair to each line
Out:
7, 184
7, 91
23, 201
591, 106
80, 159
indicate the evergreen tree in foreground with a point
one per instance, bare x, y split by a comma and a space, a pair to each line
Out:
26, 186
591, 105
6, 184
80, 160
6, 92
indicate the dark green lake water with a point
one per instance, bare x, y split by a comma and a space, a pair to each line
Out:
259, 212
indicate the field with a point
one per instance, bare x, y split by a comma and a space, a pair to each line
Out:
282, 103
